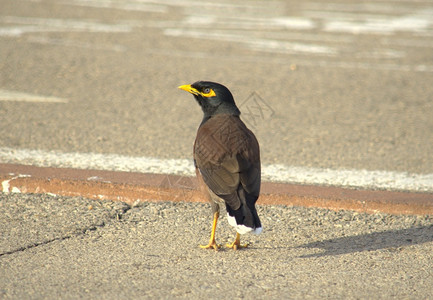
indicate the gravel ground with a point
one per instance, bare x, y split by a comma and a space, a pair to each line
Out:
55, 247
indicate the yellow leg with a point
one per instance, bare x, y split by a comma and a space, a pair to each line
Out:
212, 243
237, 243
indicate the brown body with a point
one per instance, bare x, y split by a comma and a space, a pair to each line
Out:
227, 160
227, 155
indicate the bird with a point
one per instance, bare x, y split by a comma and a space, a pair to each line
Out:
227, 161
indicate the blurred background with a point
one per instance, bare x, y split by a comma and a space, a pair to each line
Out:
326, 84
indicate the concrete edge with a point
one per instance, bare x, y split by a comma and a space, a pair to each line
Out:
133, 188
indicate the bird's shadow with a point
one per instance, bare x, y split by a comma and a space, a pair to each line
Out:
390, 239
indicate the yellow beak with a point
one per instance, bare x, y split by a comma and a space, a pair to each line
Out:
189, 89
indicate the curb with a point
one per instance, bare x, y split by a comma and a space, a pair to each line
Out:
131, 188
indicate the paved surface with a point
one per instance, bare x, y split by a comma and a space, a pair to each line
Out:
339, 85
93, 250
343, 85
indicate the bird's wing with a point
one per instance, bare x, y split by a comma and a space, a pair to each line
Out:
228, 160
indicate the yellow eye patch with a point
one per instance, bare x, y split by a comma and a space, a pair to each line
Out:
209, 93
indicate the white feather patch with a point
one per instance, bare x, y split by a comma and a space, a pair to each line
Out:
242, 229
258, 230
232, 220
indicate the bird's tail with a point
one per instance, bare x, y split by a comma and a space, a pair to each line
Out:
245, 219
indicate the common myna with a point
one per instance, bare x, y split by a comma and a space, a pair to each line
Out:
227, 160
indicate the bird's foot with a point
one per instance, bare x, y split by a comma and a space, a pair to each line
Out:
212, 244
236, 245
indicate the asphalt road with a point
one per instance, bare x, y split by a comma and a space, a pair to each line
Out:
337, 85
104, 250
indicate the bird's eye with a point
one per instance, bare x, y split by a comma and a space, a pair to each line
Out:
207, 92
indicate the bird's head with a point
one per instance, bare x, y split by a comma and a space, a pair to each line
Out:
214, 98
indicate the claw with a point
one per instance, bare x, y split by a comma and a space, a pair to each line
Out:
237, 243
211, 245
235, 246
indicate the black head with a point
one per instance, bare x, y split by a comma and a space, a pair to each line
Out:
214, 98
